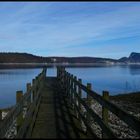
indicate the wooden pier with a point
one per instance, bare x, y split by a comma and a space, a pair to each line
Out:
53, 107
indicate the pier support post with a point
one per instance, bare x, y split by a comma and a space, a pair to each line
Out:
105, 114
19, 96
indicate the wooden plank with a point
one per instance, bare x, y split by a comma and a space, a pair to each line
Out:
56, 118
42, 127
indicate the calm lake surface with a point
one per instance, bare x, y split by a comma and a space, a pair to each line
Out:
115, 79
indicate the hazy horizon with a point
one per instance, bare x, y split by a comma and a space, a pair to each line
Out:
70, 29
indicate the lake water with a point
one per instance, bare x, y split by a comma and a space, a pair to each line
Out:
115, 79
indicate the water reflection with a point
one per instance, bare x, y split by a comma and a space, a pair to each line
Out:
115, 79
12, 80
134, 69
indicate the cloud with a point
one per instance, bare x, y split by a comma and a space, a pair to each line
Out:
54, 28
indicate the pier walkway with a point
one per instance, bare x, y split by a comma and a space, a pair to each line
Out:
54, 107
55, 118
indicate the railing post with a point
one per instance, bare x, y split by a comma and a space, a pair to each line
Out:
70, 88
66, 84
69, 85
71, 91
0, 115
37, 84
19, 96
44, 72
63, 78
75, 92
89, 103
33, 90
60, 73
28, 87
57, 72
105, 112
64, 81
80, 95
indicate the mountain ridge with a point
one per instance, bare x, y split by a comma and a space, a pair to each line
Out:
134, 57
15, 57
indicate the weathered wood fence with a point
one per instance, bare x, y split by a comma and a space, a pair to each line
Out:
73, 88
25, 110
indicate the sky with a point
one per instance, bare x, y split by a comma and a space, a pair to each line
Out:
96, 29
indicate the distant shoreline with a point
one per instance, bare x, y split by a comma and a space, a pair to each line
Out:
41, 65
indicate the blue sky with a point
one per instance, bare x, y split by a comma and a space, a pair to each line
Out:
98, 29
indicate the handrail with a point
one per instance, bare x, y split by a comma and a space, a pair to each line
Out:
97, 118
29, 115
129, 119
26, 128
18, 108
69, 84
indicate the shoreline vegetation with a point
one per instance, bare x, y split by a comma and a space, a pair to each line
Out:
129, 102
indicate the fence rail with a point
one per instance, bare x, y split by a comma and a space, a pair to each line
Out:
73, 87
27, 101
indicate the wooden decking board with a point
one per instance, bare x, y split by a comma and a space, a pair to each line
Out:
56, 118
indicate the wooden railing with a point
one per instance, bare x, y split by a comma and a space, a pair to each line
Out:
28, 104
26, 108
73, 89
